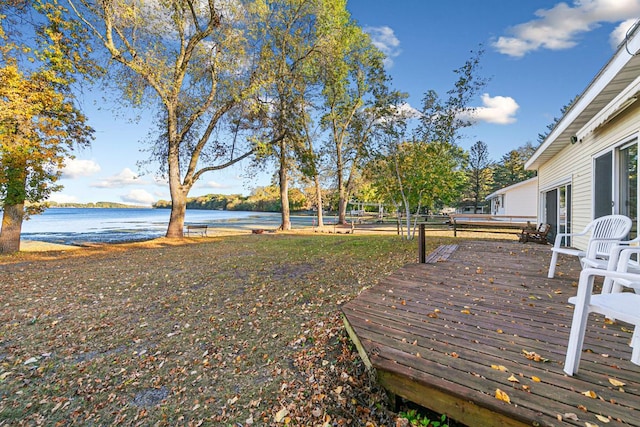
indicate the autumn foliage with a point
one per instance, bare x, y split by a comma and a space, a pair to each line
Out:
39, 121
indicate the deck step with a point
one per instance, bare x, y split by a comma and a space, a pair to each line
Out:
440, 254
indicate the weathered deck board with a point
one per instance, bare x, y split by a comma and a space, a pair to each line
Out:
442, 253
433, 332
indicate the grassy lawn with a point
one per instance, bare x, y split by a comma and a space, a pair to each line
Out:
236, 330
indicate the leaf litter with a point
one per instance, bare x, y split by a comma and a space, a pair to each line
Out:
242, 330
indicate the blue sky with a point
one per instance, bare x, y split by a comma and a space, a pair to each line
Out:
538, 56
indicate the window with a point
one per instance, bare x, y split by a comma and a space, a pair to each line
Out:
616, 183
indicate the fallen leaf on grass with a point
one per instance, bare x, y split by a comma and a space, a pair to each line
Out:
501, 395
281, 414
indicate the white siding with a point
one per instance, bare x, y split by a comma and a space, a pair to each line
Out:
522, 200
574, 162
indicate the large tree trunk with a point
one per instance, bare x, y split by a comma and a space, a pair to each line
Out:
319, 201
342, 208
176, 220
11, 228
175, 230
284, 198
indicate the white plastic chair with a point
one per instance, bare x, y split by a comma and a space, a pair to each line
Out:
605, 231
622, 306
611, 262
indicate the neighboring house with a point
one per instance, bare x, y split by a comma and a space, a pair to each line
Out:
588, 165
520, 199
469, 209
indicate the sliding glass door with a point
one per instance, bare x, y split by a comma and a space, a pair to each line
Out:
603, 185
557, 210
616, 183
628, 186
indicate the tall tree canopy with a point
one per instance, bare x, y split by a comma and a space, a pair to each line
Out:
321, 68
510, 170
427, 169
199, 64
39, 122
354, 81
479, 173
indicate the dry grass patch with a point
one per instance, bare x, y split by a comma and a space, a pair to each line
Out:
225, 331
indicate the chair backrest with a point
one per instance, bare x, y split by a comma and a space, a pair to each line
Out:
544, 229
613, 227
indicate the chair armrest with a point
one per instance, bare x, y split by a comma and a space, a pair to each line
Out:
560, 236
625, 256
618, 244
588, 273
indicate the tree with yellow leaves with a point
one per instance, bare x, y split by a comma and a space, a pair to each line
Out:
39, 122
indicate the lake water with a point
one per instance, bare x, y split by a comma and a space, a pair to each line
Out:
93, 225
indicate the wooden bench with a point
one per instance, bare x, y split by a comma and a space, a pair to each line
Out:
197, 228
486, 222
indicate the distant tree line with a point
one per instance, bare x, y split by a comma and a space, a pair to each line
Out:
261, 199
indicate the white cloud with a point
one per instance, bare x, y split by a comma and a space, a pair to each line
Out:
385, 39
558, 28
402, 111
124, 178
62, 198
498, 109
407, 111
75, 168
213, 185
138, 197
619, 34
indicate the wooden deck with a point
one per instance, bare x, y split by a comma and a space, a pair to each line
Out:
481, 317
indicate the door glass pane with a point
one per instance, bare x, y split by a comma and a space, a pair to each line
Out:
629, 185
562, 210
603, 196
551, 211
568, 210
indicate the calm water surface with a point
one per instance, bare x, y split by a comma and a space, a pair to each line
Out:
93, 225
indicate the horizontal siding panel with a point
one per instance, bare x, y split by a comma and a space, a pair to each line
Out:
575, 163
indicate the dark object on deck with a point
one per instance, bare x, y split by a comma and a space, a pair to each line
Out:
538, 235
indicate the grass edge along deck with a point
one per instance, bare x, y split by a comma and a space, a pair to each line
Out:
435, 334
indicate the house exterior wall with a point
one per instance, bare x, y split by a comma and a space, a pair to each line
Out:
574, 164
518, 200
521, 201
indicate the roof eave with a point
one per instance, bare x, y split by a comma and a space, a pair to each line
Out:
585, 107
